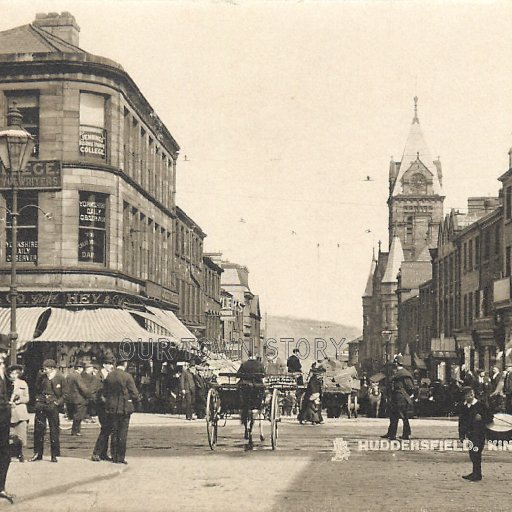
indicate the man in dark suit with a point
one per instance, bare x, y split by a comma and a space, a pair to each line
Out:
400, 403
120, 394
50, 389
294, 366
473, 417
5, 424
78, 397
250, 385
100, 451
188, 390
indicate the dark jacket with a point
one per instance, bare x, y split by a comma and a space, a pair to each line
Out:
51, 392
93, 385
402, 386
294, 364
251, 372
5, 396
77, 392
187, 382
469, 426
314, 386
120, 393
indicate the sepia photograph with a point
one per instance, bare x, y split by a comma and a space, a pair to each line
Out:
255, 255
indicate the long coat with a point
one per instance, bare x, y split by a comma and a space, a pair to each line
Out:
402, 386
120, 393
20, 397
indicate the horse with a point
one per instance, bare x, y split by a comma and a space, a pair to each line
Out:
252, 405
374, 398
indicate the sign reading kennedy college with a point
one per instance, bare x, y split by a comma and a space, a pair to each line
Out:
38, 175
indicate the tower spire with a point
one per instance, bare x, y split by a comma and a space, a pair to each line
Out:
415, 118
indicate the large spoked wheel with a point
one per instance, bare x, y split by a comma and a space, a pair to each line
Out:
356, 406
275, 418
212, 417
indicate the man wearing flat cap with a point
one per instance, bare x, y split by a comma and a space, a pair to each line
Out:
78, 397
120, 394
5, 424
50, 389
401, 402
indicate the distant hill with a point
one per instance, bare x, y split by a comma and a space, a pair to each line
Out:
308, 334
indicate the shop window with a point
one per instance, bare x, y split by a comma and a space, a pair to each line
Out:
27, 102
93, 136
27, 232
92, 227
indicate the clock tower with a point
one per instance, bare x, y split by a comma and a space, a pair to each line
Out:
415, 194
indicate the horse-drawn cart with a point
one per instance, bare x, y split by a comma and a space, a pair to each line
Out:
224, 400
341, 390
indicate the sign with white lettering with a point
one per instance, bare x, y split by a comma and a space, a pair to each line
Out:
26, 246
38, 175
92, 227
92, 141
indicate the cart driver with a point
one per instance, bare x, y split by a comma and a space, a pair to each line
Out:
250, 385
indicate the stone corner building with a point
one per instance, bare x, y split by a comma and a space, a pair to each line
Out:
103, 270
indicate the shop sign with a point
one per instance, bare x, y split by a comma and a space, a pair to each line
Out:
68, 299
38, 175
92, 141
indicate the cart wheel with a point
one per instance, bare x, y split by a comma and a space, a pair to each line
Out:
356, 406
212, 417
275, 418
349, 403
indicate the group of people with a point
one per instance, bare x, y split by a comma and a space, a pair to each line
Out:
193, 388
111, 394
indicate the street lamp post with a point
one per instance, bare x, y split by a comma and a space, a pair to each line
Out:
16, 146
386, 335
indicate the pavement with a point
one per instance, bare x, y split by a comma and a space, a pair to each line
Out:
171, 469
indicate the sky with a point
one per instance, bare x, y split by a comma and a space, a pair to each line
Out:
282, 109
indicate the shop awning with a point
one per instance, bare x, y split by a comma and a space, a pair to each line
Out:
94, 326
174, 325
26, 322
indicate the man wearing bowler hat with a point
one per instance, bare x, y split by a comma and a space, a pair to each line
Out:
120, 394
50, 388
78, 397
5, 424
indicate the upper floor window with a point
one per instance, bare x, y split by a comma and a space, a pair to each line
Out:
27, 102
93, 136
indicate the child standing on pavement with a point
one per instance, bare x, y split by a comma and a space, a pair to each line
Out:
474, 415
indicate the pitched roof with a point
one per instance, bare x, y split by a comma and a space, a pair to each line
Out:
368, 292
396, 256
31, 39
416, 149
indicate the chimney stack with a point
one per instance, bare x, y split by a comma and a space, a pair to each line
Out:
61, 25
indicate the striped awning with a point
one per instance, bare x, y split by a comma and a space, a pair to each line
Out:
174, 325
26, 322
94, 326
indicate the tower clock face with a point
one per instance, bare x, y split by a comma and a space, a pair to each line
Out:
418, 182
